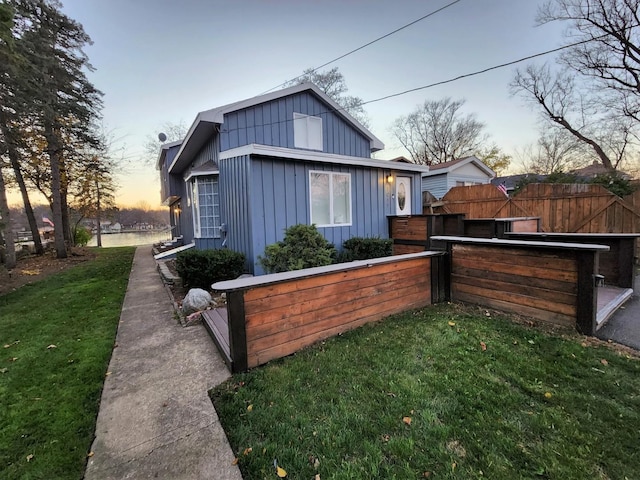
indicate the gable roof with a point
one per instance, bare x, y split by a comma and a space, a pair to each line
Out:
207, 122
164, 148
451, 165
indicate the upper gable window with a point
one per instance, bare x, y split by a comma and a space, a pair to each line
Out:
307, 131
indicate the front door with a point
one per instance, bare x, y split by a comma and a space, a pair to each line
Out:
403, 196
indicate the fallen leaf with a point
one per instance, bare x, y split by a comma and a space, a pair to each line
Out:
487, 314
107, 374
3, 370
316, 464
317, 477
235, 461
483, 346
426, 474
247, 451
29, 457
452, 324
51, 346
249, 408
547, 395
13, 359
407, 420
453, 466
281, 472
90, 454
583, 344
604, 362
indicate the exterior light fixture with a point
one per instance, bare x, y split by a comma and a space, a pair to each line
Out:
389, 178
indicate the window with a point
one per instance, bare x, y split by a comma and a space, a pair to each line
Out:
205, 201
307, 131
330, 195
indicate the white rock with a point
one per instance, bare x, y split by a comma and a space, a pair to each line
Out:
196, 299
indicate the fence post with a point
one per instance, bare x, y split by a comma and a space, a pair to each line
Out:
237, 331
587, 297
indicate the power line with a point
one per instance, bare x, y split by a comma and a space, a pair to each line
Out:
366, 45
479, 72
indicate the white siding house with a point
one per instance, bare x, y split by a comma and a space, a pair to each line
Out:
461, 172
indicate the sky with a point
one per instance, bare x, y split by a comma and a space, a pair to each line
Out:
159, 61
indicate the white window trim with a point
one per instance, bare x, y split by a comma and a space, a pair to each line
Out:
331, 175
305, 128
193, 194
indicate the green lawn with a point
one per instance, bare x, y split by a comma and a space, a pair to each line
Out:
56, 338
444, 392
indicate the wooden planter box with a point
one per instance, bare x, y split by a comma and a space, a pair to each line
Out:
272, 316
550, 281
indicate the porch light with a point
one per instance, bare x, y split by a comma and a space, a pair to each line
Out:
389, 178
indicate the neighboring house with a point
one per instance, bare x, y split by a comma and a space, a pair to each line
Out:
461, 172
248, 170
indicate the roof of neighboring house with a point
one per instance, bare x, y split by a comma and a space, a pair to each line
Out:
596, 168
207, 121
510, 181
400, 159
451, 165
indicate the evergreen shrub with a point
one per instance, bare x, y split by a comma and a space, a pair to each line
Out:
303, 246
201, 268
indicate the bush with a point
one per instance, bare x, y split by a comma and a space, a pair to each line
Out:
201, 268
81, 236
302, 247
360, 248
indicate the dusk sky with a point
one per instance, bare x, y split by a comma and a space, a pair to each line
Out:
165, 61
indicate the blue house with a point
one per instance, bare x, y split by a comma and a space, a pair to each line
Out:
248, 170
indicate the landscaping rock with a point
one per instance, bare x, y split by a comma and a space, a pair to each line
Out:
196, 299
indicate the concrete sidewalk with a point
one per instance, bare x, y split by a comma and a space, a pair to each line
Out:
156, 420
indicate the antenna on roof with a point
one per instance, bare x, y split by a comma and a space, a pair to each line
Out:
162, 137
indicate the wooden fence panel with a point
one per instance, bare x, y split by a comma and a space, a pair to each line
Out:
562, 208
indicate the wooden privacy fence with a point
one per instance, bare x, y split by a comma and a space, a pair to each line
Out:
272, 316
567, 208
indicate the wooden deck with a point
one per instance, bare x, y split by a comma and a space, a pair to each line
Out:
217, 324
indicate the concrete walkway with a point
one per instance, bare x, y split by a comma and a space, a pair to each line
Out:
156, 420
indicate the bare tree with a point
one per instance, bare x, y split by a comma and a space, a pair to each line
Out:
332, 83
494, 158
173, 132
609, 135
596, 95
555, 151
610, 54
437, 132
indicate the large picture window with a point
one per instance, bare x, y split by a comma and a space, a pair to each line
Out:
330, 198
307, 131
205, 201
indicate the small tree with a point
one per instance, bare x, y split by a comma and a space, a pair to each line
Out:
302, 247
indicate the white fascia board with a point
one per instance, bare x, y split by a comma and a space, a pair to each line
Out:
311, 156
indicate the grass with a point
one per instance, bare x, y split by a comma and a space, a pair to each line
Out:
57, 335
443, 392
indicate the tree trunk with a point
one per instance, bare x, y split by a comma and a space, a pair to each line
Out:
66, 222
10, 251
55, 154
14, 158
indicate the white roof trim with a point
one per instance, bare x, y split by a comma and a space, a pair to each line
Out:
201, 174
216, 115
312, 156
163, 151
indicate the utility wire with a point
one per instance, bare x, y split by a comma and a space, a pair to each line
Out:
479, 72
365, 45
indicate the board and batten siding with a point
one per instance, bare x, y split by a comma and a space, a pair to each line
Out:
280, 199
235, 211
271, 123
